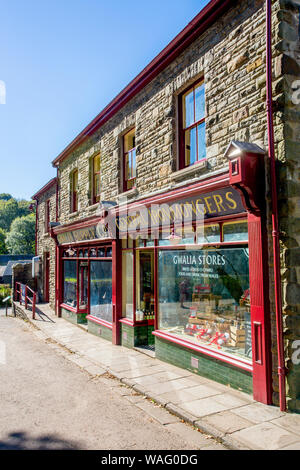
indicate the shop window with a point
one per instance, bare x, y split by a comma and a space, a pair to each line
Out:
208, 234
83, 285
127, 284
74, 191
235, 231
204, 298
192, 129
47, 216
144, 285
101, 290
95, 179
129, 160
70, 283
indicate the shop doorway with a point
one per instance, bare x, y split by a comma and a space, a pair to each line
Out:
145, 304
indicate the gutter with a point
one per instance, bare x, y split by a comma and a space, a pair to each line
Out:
275, 229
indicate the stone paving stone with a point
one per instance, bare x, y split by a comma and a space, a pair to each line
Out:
214, 447
151, 379
139, 372
289, 422
159, 414
160, 388
295, 446
258, 413
94, 370
265, 436
176, 397
189, 434
230, 400
227, 422
204, 407
203, 391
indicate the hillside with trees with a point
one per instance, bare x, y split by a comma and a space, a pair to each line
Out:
17, 225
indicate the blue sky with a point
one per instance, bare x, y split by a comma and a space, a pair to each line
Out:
62, 61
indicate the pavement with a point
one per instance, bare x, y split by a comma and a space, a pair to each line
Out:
232, 417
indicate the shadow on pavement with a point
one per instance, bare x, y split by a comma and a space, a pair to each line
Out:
23, 441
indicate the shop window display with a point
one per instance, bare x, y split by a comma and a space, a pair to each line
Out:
70, 283
127, 284
204, 297
101, 290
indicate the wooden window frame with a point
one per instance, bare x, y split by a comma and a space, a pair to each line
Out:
47, 216
182, 130
73, 192
125, 180
95, 198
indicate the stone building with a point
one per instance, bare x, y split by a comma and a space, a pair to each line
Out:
191, 129
46, 212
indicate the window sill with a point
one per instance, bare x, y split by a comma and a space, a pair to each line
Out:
73, 214
190, 170
229, 359
68, 307
93, 207
128, 194
99, 321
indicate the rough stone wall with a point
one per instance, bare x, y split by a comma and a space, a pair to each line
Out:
45, 242
231, 56
287, 70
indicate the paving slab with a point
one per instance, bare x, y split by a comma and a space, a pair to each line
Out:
258, 413
191, 435
176, 397
204, 407
203, 391
230, 400
289, 422
159, 414
227, 422
157, 389
265, 436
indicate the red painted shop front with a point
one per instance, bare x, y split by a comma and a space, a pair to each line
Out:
205, 289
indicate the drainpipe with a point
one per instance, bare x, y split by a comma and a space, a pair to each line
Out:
275, 229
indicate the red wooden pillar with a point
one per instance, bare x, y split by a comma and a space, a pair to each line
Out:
58, 281
259, 295
116, 290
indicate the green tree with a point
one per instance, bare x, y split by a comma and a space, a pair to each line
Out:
9, 210
21, 238
3, 249
5, 196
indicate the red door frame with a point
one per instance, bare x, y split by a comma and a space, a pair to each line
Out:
46, 275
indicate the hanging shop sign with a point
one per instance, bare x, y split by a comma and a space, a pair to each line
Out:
225, 201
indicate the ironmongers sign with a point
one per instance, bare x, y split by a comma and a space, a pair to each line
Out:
93, 232
225, 201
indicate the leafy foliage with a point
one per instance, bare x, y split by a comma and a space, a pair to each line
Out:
5, 291
3, 249
21, 238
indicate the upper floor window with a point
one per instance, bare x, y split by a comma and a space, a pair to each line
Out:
47, 216
74, 191
129, 160
192, 129
95, 180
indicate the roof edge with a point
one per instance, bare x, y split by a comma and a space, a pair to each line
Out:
195, 27
45, 188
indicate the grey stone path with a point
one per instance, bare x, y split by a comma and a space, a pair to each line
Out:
232, 417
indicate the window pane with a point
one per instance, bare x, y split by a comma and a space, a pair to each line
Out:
70, 283
190, 146
144, 285
188, 109
129, 140
133, 160
83, 285
235, 232
204, 298
208, 234
201, 142
199, 102
97, 163
127, 286
101, 289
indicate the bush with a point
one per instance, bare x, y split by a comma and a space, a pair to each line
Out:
5, 291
